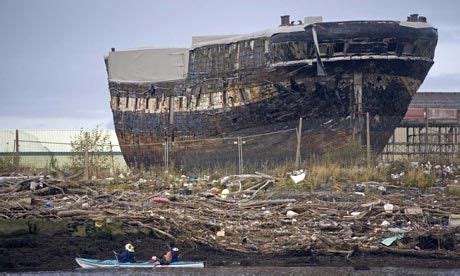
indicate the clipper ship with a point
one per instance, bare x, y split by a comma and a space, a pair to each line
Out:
196, 101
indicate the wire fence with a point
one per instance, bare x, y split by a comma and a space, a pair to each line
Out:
423, 143
45, 148
240, 153
243, 152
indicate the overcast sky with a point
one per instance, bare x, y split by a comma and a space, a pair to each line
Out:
52, 72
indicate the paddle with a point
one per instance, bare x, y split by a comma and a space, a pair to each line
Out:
116, 255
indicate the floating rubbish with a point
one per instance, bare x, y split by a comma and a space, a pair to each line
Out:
454, 220
360, 187
220, 233
389, 241
34, 185
298, 176
140, 181
291, 214
49, 205
397, 175
399, 230
355, 214
385, 223
224, 193
388, 207
413, 211
159, 199
98, 224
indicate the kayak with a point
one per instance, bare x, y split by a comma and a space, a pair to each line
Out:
93, 263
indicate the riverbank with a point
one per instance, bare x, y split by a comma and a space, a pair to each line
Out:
260, 222
56, 248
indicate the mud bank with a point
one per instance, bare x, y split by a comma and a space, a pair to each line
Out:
47, 245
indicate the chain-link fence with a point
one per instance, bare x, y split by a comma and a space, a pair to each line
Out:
260, 149
43, 149
242, 152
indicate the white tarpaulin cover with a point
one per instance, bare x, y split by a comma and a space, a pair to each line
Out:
206, 38
150, 65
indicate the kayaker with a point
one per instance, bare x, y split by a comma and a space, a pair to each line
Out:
127, 255
172, 255
154, 260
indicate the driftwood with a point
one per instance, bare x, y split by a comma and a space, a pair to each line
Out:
266, 202
71, 213
323, 220
138, 223
242, 177
261, 187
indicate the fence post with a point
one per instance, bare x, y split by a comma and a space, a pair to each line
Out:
112, 158
86, 168
16, 149
426, 134
240, 143
456, 137
240, 154
166, 155
299, 137
368, 140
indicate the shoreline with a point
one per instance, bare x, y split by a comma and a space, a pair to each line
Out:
54, 248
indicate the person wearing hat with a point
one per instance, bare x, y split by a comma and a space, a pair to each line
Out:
127, 255
172, 255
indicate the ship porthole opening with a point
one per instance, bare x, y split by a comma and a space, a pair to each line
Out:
338, 47
391, 47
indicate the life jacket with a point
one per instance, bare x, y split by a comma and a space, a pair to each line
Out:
126, 257
174, 254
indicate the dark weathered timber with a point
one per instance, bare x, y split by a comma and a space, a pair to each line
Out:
266, 84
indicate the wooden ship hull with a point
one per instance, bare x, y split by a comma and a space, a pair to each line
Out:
258, 86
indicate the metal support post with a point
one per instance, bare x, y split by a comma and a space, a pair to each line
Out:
426, 134
112, 158
299, 137
358, 107
16, 149
166, 155
240, 143
368, 140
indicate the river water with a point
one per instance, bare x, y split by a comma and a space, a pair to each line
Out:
249, 271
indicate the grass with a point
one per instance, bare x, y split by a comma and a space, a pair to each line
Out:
7, 163
334, 169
